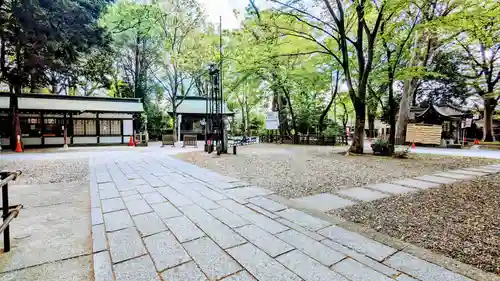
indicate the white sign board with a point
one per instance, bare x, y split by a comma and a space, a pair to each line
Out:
128, 127
468, 123
272, 121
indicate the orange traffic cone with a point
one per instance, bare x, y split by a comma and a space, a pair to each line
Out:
131, 142
18, 145
413, 146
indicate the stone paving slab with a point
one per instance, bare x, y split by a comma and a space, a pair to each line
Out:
234, 207
382, 268
264, 222
323, 202
248, 192
137, 207
209, 193
139, 269
356, 271
482, 170
186, 272
144, 189
260, 265
228, 218
154, 197
96, 215
166, 210
311, 247
404, 277
240, 276
148, 224
467, 172
303, 219
224, 236
454, 176
99, 242
307, 268
213, 261
267, 204
174, 197
358, 242
391, 188
112, 205
362, 194
128, 193
300, 229
421, 269
107, 193
417, 183
117, 220
103, 177
264, 240
183, 229
165, 251
125, 244
102, 267
262, 211
436, 179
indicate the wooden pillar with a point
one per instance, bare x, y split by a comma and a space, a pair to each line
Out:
42, 127
97, 128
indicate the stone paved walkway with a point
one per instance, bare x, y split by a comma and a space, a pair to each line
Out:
326, 202
163, 219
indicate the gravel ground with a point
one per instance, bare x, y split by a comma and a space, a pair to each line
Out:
294, 171
460, 220
48, 171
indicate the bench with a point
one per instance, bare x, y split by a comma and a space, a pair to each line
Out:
8, 212
167, 140
191, 140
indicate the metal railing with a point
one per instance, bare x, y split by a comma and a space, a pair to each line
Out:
8, 212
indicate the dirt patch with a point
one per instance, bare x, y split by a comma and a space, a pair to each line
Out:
294, 171
460, 220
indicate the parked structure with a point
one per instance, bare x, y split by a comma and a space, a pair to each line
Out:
44, 118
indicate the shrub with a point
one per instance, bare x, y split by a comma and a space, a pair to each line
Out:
381, 147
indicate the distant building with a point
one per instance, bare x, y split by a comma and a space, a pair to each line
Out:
193, 111
87, 120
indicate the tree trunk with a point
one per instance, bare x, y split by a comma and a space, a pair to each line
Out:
371, 125
489, 108
358, 140
174, 118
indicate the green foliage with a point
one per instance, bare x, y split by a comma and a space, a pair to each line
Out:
44, 41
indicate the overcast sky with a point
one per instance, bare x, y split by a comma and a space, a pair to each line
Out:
225, 8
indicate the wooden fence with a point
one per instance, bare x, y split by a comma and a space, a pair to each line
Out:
305, 140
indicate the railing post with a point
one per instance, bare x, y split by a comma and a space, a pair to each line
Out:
5, 210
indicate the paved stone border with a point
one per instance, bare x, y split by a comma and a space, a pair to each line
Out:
424, 254
326, 202
187, 223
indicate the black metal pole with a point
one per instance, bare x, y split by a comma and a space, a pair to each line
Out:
5, 210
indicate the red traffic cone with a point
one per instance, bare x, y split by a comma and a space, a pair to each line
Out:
18, 145
413, 146
131, 142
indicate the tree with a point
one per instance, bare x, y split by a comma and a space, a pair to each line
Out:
425, 43
178, 19
479, 42
353, 31
42, 37
136, 41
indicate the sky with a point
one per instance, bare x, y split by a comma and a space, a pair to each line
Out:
225, 8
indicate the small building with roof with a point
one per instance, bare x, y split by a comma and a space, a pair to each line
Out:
43, 119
